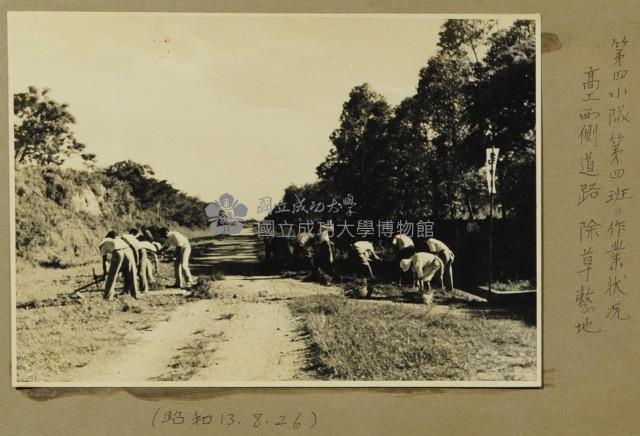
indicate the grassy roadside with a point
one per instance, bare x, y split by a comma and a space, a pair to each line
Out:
56, 334
357, 340
192, 357
37, 283
34, 282
54, 341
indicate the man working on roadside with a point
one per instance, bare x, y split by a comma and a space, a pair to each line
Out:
404, 249
181, 262
120, 257
148, 250
363, 252
446, 255
424, 267
132, 241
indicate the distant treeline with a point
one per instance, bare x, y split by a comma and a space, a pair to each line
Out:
61, 213
424, 158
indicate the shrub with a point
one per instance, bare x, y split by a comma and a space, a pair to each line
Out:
201, 290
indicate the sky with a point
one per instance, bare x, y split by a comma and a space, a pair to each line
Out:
216, 103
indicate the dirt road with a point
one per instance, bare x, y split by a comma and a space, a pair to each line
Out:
247, 333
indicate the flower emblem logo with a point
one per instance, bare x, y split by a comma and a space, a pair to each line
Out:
226, 215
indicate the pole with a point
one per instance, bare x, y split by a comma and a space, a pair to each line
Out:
491, 161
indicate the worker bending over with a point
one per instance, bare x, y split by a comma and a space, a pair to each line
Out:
119, 255
446, 255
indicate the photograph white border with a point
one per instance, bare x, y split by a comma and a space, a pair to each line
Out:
538, 383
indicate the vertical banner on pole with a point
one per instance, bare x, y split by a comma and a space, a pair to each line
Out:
490, 166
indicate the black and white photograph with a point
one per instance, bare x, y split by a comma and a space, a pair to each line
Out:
286, 200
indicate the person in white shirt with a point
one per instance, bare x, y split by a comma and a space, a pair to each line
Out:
181, 262
148, 251
363, 253
304, 238
446, 255
120, 257
404, 249
133, 242
424, 267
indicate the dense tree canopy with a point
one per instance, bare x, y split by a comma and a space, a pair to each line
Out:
357, 163
158, 195
425, 157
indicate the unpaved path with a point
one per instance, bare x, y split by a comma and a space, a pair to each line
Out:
267, 350
247, 333
152, 350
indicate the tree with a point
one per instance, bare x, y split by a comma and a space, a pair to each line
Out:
503, 106
158, 196
299, 200
442, 100
134, 173
409, 191
423, 157
472, 101
357, 163
42, 131
458, 35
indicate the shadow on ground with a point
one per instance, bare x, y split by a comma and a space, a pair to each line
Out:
243, 254
386, 292
229, 255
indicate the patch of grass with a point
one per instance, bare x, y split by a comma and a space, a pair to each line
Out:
53, 340
513, 285
53, 262
202, 290
34, 283
225, 316
60, 300
359, 288
352, 340
37, 283
191, 358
